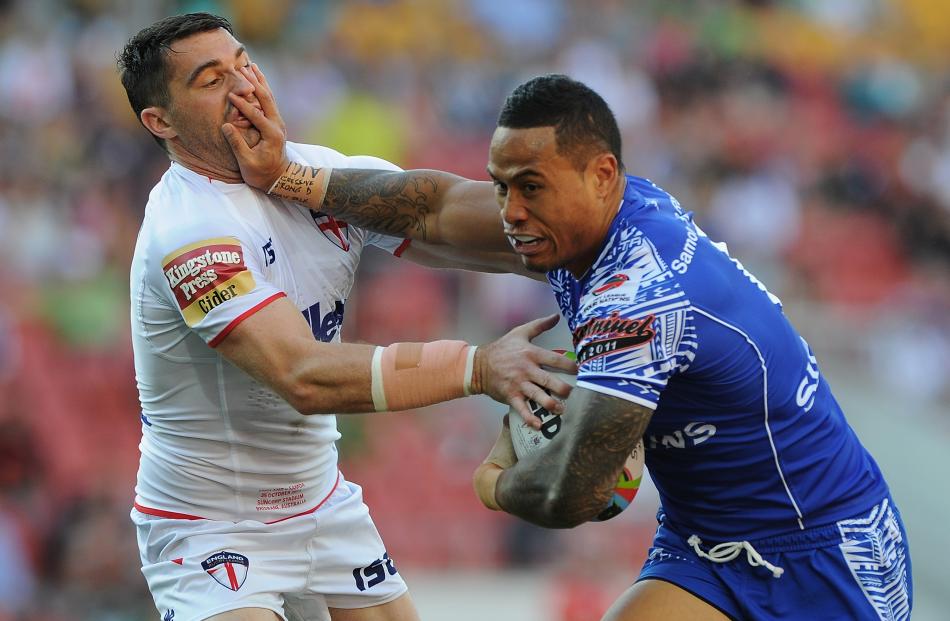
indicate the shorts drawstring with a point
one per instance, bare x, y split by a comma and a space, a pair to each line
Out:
725, 552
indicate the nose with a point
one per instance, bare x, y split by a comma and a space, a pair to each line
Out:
512, 211
242, 86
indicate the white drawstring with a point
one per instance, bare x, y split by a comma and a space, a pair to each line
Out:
725, 552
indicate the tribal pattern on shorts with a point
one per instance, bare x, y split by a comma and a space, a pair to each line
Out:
875, 551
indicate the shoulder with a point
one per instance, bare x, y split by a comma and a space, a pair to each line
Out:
185, 209
319, 156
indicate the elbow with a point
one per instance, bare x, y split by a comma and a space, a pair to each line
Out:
305, 398
560, 510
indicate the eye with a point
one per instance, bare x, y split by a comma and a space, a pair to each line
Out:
531, 188
500, 188
213, 83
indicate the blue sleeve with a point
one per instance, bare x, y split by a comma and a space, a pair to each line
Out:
634, 327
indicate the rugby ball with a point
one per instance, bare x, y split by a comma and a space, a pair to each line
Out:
527, 440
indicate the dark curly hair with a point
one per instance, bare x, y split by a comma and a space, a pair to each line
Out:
142, 60
583, 122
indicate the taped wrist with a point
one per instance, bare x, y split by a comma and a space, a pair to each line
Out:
485, 483
413, 375
304, 184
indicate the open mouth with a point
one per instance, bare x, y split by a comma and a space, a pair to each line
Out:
525, 244
238, 119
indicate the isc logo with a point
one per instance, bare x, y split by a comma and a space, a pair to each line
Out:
324, 327
374, 573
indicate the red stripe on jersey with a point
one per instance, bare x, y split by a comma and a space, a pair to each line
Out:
319, 504
184, 516
234, 322
165, 514
402, 247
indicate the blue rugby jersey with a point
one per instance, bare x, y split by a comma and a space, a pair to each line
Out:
746, 440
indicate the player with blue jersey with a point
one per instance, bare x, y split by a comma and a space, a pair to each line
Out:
770, 506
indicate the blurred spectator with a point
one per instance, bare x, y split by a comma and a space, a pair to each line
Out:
812, 136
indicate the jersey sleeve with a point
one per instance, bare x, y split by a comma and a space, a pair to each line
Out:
323, 156
634, 332
213, 276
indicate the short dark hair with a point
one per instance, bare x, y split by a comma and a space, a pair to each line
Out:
583, 122
142, 60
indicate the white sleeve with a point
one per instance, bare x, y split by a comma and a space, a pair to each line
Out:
315, 155
212, 273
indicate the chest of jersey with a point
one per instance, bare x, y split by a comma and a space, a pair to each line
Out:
312, 258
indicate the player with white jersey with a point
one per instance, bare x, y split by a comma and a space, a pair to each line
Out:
770, 506
210, 254
238, 301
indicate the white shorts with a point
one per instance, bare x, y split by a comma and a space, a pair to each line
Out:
332, 558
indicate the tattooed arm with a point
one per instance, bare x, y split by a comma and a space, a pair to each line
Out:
572, 479
428, 205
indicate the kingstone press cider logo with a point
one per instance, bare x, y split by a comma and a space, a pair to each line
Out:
205, 274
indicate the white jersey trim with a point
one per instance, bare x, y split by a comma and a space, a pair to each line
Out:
616, 393
765, 406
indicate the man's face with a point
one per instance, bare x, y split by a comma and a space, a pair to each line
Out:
203, 69
550, 209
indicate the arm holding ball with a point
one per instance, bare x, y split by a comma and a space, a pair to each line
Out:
574, 477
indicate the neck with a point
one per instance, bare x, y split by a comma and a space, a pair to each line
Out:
608, 211
202, 166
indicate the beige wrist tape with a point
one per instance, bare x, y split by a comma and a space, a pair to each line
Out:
301, 183
413, 375
486, 482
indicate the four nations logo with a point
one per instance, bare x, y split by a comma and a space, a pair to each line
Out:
612, 283
228, 568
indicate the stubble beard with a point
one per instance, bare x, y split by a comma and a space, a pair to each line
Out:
209, 145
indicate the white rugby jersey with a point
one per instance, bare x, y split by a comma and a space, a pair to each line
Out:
215, 442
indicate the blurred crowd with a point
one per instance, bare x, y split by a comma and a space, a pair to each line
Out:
813, 136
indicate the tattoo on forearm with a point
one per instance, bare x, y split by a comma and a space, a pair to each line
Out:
584, 471
395, 203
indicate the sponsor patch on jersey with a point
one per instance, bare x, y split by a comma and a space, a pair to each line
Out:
229, 569
206, 274
611, 334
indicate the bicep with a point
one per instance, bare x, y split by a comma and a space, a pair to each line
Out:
599, 431
470, 217
276, 347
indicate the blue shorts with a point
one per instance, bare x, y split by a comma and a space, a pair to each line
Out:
854, 569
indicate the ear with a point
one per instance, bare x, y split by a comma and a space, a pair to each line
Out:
604, 169
156, 120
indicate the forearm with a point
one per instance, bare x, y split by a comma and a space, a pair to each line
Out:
402, 376
275, 346
426, 205
572, 479
544, 491
313, 387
